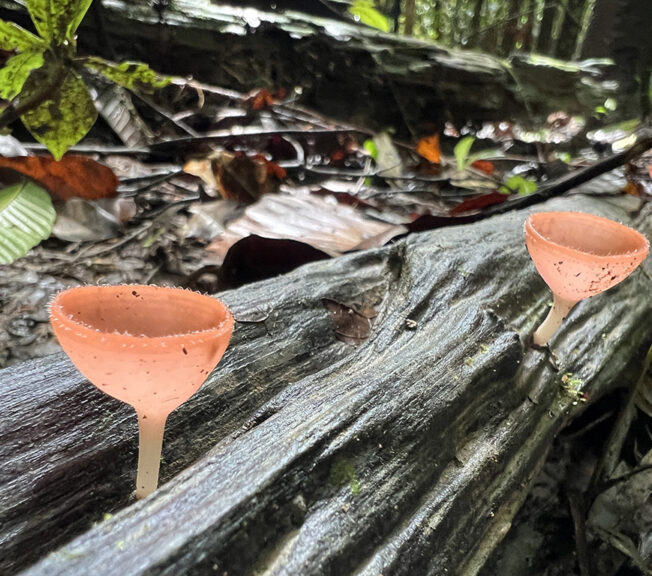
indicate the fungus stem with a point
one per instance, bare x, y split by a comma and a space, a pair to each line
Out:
559, 311
150, 444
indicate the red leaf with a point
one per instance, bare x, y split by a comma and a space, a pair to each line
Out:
71, 176
484, 166
262, 99
273, 169
479, 202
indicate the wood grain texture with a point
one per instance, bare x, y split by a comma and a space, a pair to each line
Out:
304, 455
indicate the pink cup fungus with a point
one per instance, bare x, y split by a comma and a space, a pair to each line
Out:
148, 346
579, 255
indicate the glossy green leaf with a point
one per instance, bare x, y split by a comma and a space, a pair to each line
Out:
13, 37
365, 12
461, 151
77, 13
26, 218
39, 11
57, 20
16, 70
520, 185
134, 76
64, 117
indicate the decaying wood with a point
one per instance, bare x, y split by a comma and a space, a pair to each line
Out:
409, 454
352, 73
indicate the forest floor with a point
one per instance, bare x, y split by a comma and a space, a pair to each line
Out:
230, 188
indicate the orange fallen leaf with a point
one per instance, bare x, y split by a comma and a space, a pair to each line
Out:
649, 170
273, 169
263, 99
632, 188
72, 176
428, 148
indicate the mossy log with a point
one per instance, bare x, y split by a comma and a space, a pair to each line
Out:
302, 454
349, 72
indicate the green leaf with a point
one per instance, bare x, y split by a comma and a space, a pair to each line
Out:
520, 185
16, 70
461, 151
13, 37
26, 218
134, 76
64, 117
371, 148
39, 10
57, 20
77, 13
365, 12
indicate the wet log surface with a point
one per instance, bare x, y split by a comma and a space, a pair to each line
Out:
302, 454
349, 72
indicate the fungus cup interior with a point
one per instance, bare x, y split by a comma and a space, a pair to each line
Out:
148, 346
579, 255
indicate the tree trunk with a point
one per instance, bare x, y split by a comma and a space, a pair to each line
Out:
408, 454
600, 33
410, 17
545, 40
474, 37
352, 73
510, 29
570, 29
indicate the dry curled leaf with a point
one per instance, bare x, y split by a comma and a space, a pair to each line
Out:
351, 326
70, 177
237, 176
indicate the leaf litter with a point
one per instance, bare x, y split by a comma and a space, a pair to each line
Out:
270, 186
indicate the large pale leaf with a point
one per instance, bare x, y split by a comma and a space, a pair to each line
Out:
16, 70
132, 75
26, 218
64, 117
13, 37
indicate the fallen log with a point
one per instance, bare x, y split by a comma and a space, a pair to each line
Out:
408, 454
349, 72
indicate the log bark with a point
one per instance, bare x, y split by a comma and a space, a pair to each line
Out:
349, 72
301, 454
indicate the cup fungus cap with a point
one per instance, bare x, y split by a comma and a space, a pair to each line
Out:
148, 346
580, 255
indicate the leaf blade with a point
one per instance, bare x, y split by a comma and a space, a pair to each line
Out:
64, 117
39, 11
365, 11
135, 76
16, 70
26, 218
78, 12
13, 37
461, 151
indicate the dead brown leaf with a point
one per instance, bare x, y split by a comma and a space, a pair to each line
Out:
70, 177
